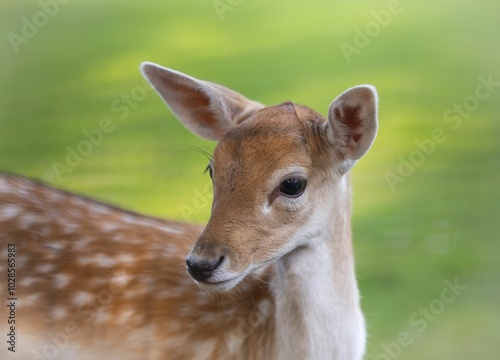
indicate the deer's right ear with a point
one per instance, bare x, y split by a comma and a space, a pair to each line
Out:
352, 117
206, 109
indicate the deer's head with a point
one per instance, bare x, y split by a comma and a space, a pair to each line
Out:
277, 171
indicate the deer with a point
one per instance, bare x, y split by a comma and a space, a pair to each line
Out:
270, 276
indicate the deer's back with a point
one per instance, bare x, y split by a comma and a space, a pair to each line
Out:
88, 275
94, 281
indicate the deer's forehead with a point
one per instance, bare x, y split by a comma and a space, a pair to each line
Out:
276, 138
261, 152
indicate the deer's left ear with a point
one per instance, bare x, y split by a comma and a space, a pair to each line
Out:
208, 110
352, 117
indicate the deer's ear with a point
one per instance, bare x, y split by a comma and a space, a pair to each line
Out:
206, 109
352, 119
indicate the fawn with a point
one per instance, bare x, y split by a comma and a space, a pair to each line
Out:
91, 281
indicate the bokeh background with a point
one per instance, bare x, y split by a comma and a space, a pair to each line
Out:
426, 196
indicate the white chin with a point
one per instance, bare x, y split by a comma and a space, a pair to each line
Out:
221, 286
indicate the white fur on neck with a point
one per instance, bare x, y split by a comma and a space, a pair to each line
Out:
317, 301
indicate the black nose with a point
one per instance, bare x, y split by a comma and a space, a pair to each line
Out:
202, 270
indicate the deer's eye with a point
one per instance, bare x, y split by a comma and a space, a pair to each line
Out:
293, 187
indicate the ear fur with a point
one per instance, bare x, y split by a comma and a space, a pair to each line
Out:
352, 118
206, 109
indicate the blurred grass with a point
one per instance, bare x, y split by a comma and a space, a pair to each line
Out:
441, 223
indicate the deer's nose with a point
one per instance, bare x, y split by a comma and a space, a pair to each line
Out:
201, 270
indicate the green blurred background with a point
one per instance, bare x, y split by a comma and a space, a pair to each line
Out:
420, 218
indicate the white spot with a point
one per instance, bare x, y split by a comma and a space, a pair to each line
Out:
55, 246
134, 240
126, 258
99, 259
152, 223
27, 281
4, 186
23, 192
81, 298
121, 280
44, 268
132, 294
127, 218
31, 299
60, 281
54, 195
81, 243
9, 211
27, 220
118, 237
59, 313
170, 229
79, 202
70, 228
99, 209
108, 227
104, 261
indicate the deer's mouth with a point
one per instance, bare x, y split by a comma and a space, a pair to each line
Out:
220, 285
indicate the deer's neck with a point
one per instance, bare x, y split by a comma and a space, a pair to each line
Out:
317, 300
